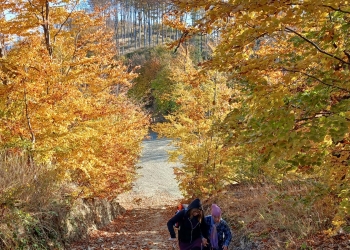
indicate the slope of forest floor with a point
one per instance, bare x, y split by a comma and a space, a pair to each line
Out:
149, 205
257, 225
143, 226
257, 220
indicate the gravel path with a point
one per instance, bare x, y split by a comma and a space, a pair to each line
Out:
149, 205
156, 184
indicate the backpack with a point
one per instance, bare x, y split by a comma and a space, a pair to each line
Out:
180, 207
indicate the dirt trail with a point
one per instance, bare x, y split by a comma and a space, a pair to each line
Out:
148, 206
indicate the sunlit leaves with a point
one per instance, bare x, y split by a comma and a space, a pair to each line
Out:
203, 100
291, 61
63, 98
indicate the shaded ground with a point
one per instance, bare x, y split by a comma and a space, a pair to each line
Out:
136, 229
259, 223
256, 220
149, 205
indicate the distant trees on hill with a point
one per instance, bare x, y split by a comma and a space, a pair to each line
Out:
140, 23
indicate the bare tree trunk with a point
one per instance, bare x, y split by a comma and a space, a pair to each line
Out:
135, 27
129, 24
140, 28
149, 26
2, 46
116, 30
163, 34
144, 30
158, 21
45, 11
122, 20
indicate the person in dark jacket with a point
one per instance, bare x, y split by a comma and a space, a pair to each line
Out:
219, 231
193, 231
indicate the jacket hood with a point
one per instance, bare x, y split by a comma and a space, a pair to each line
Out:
195, 204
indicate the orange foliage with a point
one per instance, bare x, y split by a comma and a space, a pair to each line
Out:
203, 100
291, 60
63, 97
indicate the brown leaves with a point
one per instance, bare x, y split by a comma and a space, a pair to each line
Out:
143, 228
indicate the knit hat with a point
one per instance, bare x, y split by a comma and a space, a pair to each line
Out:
215, 210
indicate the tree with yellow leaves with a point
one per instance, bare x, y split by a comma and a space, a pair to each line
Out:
290, 60
203, 101
63, 96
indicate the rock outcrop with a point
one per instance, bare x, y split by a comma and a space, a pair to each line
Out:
87, 215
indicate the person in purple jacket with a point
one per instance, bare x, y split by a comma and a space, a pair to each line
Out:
193, 231
219, 231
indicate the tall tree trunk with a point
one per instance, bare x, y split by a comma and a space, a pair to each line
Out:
2, 46
116, 30
144, 30
149, 26
46, 27
157, 22
122, 20
140, 28
135, 28
163, 33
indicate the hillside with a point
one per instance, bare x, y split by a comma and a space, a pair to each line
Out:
257, 221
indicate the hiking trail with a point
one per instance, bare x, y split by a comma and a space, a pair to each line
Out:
149, 205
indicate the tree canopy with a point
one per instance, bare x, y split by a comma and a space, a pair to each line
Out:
63, 95
289, 62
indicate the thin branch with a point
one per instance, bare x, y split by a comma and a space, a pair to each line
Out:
74, 52
182, 38
32, 5
323, 5
65, 21
28, 117
316, 115
316, 46
339, 9
315, 78
347, 54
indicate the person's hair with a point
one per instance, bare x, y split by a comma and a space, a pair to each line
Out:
200, 214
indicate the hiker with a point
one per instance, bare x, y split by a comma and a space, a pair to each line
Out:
219, 231
192, 232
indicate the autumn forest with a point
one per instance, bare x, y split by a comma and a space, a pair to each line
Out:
249, 91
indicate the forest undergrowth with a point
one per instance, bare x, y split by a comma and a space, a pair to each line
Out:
269, 216
263, 216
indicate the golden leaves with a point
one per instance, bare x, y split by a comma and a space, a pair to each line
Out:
66, 100
291, 63
203, 99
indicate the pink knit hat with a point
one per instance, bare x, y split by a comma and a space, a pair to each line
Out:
215, 210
